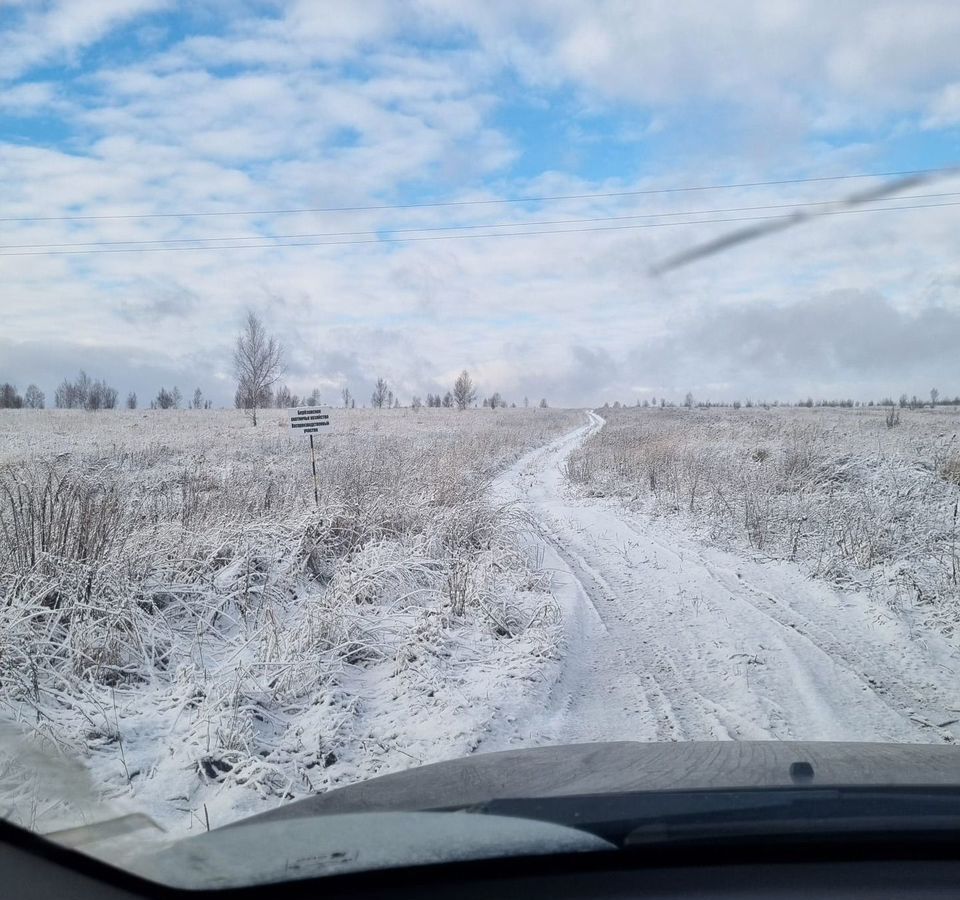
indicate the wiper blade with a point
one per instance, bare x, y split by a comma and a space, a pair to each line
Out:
893, 828
645, 818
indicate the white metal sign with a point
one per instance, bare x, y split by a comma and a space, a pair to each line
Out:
311, 420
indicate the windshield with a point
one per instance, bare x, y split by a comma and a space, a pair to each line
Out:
384, 385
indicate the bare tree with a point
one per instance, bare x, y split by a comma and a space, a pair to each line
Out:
346, 396
464, 392
934, 396
543, 403
33, 397
447, 400
73, 394
198, 399
416, 402
85, 393
132, 400
284, 398
688, 400
9, 398
382, 395
257, 364
166, 399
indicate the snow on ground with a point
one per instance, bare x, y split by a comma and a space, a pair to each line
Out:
865, 497
669, 638
210, 644
179, 616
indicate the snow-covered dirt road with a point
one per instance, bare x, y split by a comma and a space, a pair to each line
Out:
670, 639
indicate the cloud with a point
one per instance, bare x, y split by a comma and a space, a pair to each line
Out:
128, 368
27, 99
40, 33
160, 300
292, 106
944, 109
850, 338
770, 56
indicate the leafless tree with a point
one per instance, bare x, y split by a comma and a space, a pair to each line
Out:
464, 392
198, 399
72, 394
33, 397
346, 396
934, 396
382, 395
85, 393
132, 400
543, 403
167, 399
9, 398
284, 398
257, 364
416, 402
448, 400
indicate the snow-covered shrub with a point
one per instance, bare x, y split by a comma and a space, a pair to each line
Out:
176, 609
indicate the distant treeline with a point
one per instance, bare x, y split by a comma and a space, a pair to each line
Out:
91, 394
904, 402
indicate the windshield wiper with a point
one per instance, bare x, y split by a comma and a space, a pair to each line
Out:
647, 818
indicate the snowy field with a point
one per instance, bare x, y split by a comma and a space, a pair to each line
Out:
855, 502
181, 618
178, 614
706, 567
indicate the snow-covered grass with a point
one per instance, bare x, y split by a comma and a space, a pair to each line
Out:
178, 614
837, 490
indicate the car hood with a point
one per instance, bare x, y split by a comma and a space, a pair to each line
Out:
424, 815
627, 766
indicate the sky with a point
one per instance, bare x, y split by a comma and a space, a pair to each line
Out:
157, 159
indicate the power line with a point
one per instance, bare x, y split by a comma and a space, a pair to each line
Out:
430, 228
449, 203
752, 232
451, 237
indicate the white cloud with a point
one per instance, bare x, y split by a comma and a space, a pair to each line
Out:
57, 31
944, 109
27, 99
321, 107
865, 58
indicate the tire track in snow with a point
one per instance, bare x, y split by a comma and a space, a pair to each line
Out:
668, 639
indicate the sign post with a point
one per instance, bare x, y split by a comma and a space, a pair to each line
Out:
313, 461
311, 420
